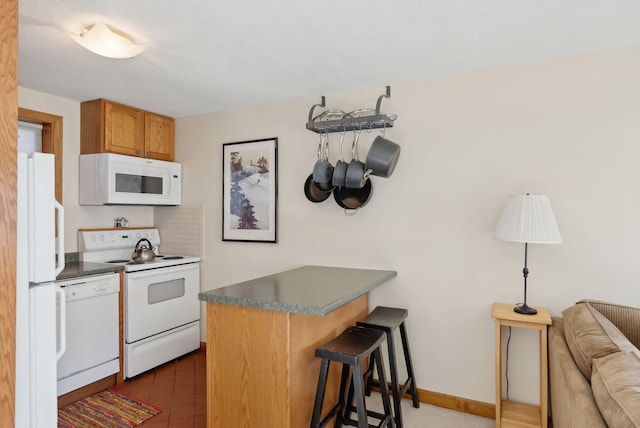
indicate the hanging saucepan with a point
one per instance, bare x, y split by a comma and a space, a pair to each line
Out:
313, 193
322, 170
340, 170
355, 177
318, 192
382, 157
352, 199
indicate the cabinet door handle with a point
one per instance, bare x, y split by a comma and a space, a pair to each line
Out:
138, 151
148, 153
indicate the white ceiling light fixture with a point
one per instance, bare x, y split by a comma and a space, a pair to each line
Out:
107, 42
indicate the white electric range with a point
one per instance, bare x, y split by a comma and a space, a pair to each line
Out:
160, 297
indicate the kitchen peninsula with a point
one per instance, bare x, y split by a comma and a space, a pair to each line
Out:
261, 341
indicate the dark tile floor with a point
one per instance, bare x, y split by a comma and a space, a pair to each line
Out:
178, 388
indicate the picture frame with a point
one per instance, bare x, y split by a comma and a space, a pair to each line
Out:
250, 191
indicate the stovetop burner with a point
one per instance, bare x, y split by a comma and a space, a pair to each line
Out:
161, 260
158, 258
116, 246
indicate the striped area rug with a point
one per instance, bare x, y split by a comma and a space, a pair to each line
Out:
108, 409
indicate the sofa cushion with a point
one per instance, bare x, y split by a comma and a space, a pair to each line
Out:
589, 335
626, 318
615, 382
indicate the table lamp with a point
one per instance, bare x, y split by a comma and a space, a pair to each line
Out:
528, 219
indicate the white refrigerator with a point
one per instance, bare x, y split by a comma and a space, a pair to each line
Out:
40, 258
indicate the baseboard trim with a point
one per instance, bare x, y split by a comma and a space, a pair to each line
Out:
452, 402
460, 404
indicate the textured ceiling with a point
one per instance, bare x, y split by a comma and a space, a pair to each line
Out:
211, 55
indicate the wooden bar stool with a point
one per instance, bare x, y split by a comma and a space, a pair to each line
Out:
388, 320
351, 348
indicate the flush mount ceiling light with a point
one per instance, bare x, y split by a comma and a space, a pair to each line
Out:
107, 42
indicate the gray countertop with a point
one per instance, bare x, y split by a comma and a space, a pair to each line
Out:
313, 290
78, 269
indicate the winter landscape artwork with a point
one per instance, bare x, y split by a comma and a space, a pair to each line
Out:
250, 188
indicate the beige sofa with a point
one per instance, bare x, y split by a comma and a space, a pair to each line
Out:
594, 366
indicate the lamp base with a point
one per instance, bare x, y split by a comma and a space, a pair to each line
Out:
525, 310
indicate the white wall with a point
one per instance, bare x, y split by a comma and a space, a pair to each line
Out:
568, 129
77, 216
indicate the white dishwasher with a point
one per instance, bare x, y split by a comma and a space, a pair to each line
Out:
92, 315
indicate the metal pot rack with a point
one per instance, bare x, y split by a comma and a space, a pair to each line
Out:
374, 121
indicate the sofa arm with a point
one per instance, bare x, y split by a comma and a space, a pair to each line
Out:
626, 318
571, 400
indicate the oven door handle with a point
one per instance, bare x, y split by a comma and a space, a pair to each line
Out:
165, 271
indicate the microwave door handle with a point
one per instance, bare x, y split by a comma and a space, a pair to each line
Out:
60, 240
62, 316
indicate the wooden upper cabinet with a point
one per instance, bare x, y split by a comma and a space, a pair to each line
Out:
109, 127
159, 136
123, 130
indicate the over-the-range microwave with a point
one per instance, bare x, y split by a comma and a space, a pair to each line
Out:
110, 179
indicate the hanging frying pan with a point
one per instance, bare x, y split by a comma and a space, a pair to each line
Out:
352, 199
313, 193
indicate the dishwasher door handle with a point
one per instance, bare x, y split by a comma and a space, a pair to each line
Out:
62, 316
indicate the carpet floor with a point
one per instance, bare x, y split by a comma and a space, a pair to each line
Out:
432, 416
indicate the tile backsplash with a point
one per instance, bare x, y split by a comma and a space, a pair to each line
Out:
181, 229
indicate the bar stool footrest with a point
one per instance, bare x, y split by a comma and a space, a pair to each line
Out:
385, 420
404, 389
330, 415
407, 388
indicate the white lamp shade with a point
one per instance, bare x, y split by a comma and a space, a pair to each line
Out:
528, 219
101, 40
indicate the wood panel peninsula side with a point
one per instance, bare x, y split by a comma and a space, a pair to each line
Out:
261, 341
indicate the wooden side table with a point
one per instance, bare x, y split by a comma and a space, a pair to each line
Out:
511, 413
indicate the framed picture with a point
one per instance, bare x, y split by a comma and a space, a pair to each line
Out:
250, 191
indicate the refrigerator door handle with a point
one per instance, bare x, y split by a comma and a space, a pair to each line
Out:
60, 239
62, 316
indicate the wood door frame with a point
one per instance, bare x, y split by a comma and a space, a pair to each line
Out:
51, 139
8, 193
